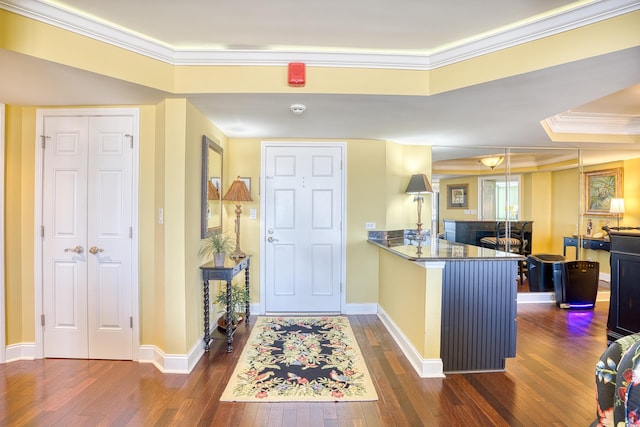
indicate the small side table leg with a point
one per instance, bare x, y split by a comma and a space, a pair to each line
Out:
247, 288
207, 338
229, 325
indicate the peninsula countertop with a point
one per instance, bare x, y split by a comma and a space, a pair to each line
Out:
442, 250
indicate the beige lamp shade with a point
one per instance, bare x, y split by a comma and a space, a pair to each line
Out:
617, 205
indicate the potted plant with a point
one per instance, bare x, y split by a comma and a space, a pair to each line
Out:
217, 245
239, 299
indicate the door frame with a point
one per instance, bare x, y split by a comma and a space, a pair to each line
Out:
37, 255
343, 201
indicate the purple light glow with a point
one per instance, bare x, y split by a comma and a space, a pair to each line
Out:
578, 322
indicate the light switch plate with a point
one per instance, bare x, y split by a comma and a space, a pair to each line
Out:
252, 213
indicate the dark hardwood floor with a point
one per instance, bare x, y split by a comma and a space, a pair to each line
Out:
549, 383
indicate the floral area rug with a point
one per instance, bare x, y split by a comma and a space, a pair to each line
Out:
293, 359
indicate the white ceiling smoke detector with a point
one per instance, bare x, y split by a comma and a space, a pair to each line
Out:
297, 108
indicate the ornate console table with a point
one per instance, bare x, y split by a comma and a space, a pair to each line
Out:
226, 273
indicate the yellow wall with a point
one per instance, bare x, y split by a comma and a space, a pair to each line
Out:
416, 159
170, 288
631, 217
419, 316
457, 213
538, 197
170, 285
371, 166
33, 38
150, 233
564, 207
19, 234
170, 147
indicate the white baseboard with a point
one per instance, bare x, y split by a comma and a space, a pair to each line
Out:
367, 308
536, 297
166, 363
22, 351
550, 297
426, 368
256, 309
171, 363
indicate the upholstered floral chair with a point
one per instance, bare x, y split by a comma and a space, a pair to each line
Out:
618, 384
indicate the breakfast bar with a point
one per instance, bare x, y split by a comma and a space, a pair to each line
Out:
451, 307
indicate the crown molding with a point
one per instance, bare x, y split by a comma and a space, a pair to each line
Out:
564, 20
594, 123
79, 24
546, 26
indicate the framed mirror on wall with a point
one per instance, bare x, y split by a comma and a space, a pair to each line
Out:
211, 213
538, 187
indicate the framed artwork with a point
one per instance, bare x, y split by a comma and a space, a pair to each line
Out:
600, 187
457, 196
247, 182
215, 181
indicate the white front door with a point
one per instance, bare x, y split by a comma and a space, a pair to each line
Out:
87, 237
303, 204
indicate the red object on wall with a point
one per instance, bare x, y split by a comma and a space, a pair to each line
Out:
296, 74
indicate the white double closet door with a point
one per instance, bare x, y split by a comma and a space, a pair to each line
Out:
87, 237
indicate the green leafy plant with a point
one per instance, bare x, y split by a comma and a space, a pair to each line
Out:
217, 243
239, 299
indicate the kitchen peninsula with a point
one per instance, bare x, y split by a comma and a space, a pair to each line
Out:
451, 307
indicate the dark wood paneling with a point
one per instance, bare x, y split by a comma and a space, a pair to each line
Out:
625, 286
478, 315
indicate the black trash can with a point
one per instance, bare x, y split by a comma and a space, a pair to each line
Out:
576, 284
540, 271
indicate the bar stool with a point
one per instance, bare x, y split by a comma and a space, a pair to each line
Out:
515, 241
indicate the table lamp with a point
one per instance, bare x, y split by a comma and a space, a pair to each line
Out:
419, 185
617, 207
238, 192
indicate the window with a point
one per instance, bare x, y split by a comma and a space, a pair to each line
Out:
499, 199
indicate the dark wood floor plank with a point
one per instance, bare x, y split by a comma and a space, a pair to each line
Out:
550, 383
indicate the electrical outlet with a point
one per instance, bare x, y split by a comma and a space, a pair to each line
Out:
370, 225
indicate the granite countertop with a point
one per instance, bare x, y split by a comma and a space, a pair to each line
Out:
443, 250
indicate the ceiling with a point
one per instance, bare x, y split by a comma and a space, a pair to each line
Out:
499, 113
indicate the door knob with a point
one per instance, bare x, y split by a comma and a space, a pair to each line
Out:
271, 239
95, 250
77, 249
